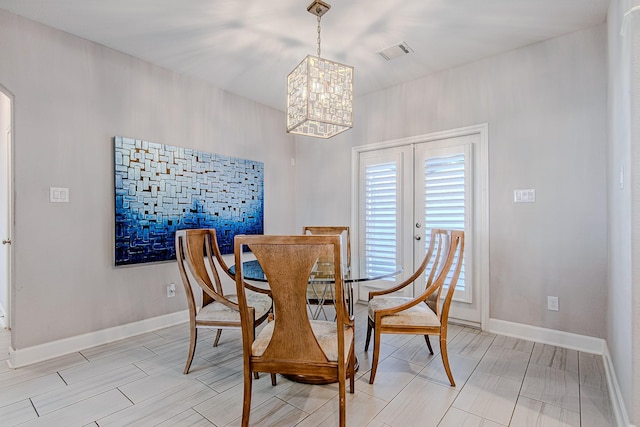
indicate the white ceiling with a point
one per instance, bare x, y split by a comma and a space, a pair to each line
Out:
248, 47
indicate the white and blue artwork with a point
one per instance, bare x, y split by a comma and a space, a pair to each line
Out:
161, 188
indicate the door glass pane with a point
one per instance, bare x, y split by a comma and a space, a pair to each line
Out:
380, 208
444, 198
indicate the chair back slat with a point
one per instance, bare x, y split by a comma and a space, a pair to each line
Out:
288, 262
455, 260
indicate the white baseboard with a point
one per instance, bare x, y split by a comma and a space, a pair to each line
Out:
41, 352
575, 342
617, 402
548, 336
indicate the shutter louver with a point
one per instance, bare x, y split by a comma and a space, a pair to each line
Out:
381, 189
445, 198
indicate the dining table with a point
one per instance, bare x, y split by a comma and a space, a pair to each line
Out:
320, 293
319, 290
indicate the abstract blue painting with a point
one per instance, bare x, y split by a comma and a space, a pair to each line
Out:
161, 188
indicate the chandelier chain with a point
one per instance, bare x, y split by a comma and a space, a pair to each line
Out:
319, 36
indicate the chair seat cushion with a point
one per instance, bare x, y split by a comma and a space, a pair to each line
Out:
418, 315
218, 312
325, 332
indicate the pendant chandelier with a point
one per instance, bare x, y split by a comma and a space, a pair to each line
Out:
319, 92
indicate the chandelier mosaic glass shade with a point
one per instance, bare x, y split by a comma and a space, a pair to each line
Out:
319, 93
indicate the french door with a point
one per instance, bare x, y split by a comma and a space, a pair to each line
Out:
412, 186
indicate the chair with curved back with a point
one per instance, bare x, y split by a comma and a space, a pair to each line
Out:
217, 310
323, 294
423, 314
293, 344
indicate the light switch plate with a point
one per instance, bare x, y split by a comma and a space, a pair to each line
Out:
58, 195
524, 196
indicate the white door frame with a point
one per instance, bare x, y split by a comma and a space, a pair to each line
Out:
9, 207
481, 153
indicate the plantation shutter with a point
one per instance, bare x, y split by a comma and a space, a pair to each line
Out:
446, 201
380, 217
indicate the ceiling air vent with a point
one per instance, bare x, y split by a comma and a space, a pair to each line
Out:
396, 50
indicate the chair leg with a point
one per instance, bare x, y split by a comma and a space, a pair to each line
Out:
343, 401
215, 342
445, 360
193, 336
376, 355
352, 371
246, 406
369, 326
426, 338
273, 379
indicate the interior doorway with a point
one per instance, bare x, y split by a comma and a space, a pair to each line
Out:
6, 137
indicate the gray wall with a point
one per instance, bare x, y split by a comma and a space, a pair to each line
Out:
545, 105
71, 97
623, 310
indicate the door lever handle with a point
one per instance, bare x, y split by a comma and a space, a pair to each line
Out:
6, 242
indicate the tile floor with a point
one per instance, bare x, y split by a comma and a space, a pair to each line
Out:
500, 381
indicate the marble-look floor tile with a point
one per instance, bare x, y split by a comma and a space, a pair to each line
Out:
139, 381
470, 343
95, 353
170, 361
360, 410
309, 398
505, 363
14, 376
17, 413
555, 357
513, 344
422, 403
489, 396
105, 364
83, 412
533, 413
391, 377
31, 388
220, 378
161, 408
457, 418
151, 386
273, 412
461, 369
227, 406
417, 352
365, 358
61, 397
188, 418
596, 408
592, 373
550, 385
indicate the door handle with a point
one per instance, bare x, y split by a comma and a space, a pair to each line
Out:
6, 242
417, 237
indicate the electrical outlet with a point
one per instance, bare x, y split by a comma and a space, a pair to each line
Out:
171, 290
552, 303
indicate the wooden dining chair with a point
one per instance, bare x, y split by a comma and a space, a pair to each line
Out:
216, 310
425, 314
320, 294
341, 230
293, 344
